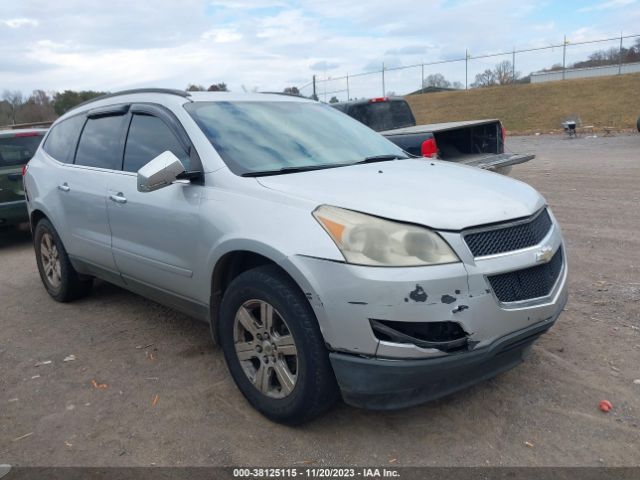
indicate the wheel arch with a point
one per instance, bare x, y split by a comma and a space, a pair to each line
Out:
35, 217
234, 262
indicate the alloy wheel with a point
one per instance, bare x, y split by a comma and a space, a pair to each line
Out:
265, 348
50, 259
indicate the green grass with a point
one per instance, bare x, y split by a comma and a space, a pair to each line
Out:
602, 102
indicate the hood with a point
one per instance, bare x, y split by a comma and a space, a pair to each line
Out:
436, 194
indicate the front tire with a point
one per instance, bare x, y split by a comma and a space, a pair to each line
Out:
274, 348
59, 277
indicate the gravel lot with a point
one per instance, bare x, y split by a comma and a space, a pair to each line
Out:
168, 399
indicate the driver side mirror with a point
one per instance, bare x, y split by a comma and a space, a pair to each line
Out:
160, 172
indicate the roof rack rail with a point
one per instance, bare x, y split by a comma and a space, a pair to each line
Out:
170, 91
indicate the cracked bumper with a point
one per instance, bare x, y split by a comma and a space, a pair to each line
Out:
383, 384
377, 373
346, 297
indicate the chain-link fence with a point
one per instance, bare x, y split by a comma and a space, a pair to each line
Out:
564, 60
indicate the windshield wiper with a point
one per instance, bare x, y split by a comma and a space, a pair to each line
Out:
308, 168
380, 158
284, 170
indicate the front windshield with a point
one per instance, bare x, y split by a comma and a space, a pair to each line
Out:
253, 136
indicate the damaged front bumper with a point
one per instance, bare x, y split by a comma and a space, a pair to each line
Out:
351, 302
384, 384
402, 336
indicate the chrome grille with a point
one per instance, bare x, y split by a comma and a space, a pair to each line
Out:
508, 238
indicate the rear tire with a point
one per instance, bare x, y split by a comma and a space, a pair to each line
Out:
59, 277
285, 372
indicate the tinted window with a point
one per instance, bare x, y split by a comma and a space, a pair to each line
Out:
63, 137
263, 136
18, 149
149, 137
100, 143
384, 115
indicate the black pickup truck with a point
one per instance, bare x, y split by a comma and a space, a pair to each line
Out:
479, 143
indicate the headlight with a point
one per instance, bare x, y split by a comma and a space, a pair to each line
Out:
367, 240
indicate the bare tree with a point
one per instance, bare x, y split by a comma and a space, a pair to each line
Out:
504, 73
485, 79
436, 80
195, 88
292, 90
14, 100
37, 108
218, 87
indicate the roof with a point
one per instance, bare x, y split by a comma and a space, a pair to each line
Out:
172, 97
245, 97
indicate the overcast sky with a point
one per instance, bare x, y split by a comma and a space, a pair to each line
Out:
116, 44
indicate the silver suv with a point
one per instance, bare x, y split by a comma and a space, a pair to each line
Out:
326, 260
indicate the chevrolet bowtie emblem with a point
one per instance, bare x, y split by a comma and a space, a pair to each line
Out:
544, 254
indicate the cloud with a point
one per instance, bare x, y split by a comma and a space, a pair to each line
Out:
376, 65
542, 27
408, 50
273, 44
323, 65
247, 4
21, 22
610, 4
224, 35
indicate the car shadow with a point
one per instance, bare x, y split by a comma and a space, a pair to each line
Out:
14, 236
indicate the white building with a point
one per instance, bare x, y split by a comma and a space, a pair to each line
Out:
569, 73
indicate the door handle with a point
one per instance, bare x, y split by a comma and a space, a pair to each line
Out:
64, 187
118, 198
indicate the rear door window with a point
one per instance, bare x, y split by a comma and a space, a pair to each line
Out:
148, 137
101, 143
18, 149
385, 115
63, 138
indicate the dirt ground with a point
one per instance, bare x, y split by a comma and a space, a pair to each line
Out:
168, 399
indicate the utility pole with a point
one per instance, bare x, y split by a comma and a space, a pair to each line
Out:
513, 66
422, 82
466, 69
315, 96
383, 88
620, 56
348, 95
564, 57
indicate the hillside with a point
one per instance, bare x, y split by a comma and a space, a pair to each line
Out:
539, 107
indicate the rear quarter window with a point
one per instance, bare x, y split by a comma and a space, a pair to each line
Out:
63, 137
